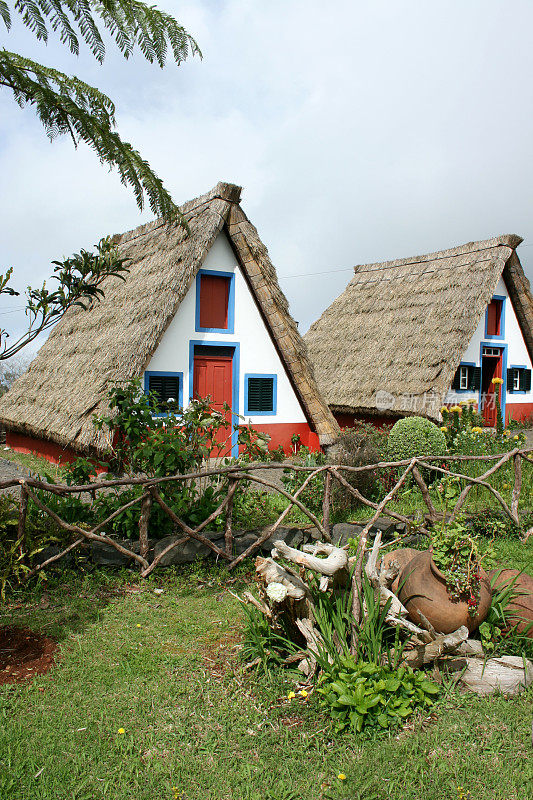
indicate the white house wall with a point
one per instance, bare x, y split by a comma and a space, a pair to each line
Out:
517, 354
257, 352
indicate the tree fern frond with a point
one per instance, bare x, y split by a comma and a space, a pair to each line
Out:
32, 18
67, 105
4, 13
131, 23
59, 20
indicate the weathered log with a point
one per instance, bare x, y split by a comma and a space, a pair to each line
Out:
270, 572
443, 644
335, 565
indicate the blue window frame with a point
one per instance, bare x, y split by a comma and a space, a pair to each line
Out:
518, 379
260, 395
466, 378
501, 334
164, 384
231, 301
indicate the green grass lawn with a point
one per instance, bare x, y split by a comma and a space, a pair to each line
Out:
165, 668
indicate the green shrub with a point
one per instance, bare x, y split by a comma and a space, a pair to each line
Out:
415, 436
365, 696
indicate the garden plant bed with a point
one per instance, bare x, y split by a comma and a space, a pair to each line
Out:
24, 654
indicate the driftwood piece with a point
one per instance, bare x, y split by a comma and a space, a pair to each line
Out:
335, 565
443, 644
271, 572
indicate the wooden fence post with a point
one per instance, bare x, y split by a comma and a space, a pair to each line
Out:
23, 511
326, 504
144, 519
228, 532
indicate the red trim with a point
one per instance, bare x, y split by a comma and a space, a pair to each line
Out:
519, 411
21, 443
281, 433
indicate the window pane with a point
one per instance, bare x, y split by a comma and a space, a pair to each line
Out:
494, 314
165, 388
214, 296
260, 394
463, 378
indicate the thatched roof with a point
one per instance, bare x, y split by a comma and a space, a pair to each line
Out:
69, 379
393, 339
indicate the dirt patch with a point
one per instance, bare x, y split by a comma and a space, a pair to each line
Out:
23, 654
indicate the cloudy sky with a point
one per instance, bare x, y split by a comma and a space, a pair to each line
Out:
361, 130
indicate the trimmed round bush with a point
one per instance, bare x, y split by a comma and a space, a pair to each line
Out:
415, 436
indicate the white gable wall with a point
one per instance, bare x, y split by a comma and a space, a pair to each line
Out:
517, 354
257, 352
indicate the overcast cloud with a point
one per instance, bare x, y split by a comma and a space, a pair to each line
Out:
360, 131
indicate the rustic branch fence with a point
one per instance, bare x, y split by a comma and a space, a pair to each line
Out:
251, 473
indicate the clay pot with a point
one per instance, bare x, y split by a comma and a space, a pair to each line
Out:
521, 606
402, 556
423, 589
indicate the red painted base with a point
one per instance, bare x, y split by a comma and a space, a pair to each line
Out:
519, 411
53, 452
281, 433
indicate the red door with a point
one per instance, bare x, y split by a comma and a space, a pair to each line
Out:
491, 367
213, 379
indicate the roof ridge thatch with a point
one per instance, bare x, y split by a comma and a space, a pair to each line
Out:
68, 380
391, 342
511, 240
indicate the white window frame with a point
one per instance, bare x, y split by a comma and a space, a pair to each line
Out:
516, 380
463, 379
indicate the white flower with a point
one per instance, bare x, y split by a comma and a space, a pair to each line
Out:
276, 592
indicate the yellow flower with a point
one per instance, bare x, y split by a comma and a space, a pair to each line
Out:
138, 624
457, 409
291, 695
471, 401
497, 381
444, 428
444, 410
463, 403
516, 438
477, 430
506, 486
121, 731
302, 693
341, 776
507, 433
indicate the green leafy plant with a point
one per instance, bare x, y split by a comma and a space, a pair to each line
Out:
365, 696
